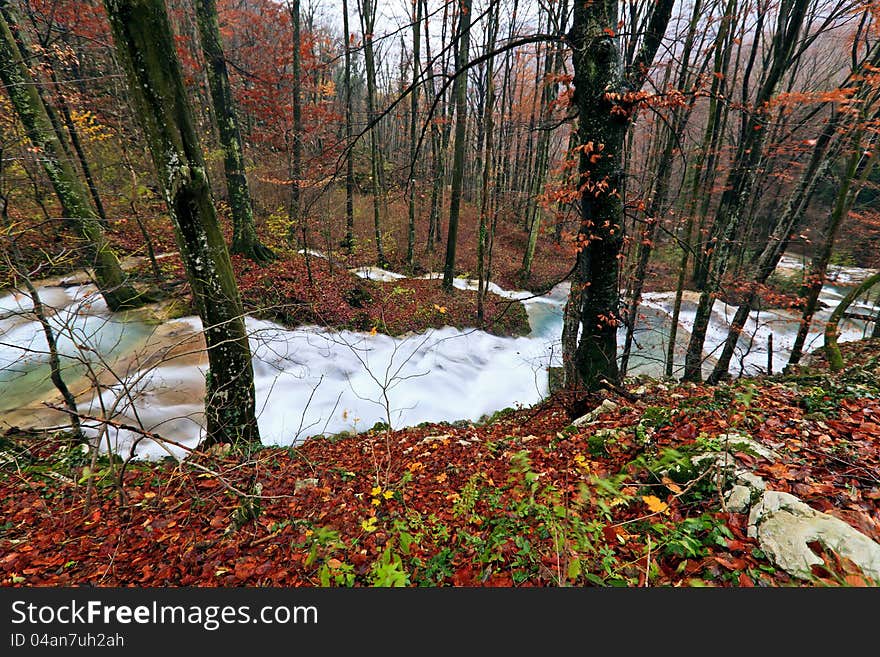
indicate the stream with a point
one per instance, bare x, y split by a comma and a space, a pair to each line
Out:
311, 380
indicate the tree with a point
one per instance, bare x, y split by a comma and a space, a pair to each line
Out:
464, 36
368, 25
832, 349
244, 235
413, 130
348, 240
730, 215
549, 91
112, 281
605, 96
145, 47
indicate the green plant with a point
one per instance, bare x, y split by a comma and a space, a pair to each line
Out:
388, 570
691, 537
656, 417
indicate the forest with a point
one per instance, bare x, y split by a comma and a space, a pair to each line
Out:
432, 293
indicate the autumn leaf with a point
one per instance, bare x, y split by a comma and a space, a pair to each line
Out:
671, 485
655, 504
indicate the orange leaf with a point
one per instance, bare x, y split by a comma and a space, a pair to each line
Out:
655, 504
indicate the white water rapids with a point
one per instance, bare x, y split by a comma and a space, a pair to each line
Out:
311, 380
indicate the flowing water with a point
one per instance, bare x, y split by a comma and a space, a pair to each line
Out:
310, 380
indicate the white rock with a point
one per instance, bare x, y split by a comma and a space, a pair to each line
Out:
605, 407
738, 499
750, 480
784, 525
733, 439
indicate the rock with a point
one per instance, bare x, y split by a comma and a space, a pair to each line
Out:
731, 440
302, 484
431, 439
750, 480
784, 525
738, 499
723, 460
605, 407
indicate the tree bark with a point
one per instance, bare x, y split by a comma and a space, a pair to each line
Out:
348, 240
603, 97
145, 47
368, 23
413, 130
244, 232
730, 213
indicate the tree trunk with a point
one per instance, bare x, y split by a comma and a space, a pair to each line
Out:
601, 95
109, 276
348, 241
485, 200
244, 232
549, 91
460, 142
766, 262
145, 47
737, 194
812, 287
413, 131
832, 349
368, 23
661, 174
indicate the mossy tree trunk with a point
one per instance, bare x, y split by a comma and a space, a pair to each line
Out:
145, 47
861, 161
72, 194
832, 349
244, 232
604, 97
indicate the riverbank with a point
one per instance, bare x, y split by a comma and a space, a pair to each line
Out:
295, 292
531, 497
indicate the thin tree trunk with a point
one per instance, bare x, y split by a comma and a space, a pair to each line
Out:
766, 262
489, 129
814, 282
109, 276
832, 349
244, 232
730, 214
661, 190
413, 131
549, 91
460, 143
368, 23
348, 241
77, 147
